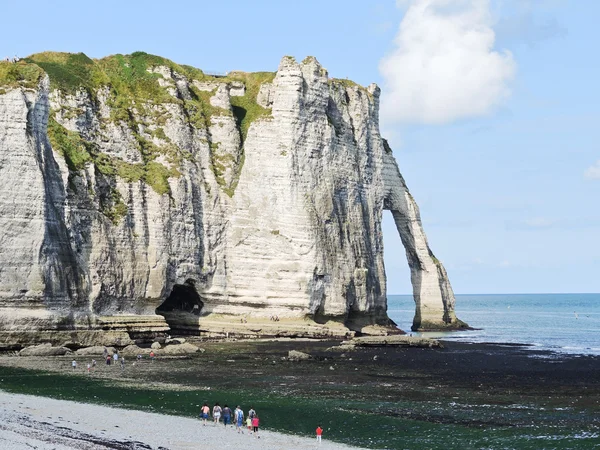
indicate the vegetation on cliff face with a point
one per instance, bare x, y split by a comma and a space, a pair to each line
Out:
69, 144
133, 89
137, 89
113, 206
245, 108
343, 84
79, 152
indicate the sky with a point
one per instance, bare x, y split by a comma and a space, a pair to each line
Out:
492, 109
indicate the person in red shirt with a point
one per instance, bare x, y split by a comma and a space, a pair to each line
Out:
255, 425
319, 433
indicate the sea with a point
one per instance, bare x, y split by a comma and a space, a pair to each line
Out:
566, 323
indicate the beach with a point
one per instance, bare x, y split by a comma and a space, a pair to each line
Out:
460, 396
28, 422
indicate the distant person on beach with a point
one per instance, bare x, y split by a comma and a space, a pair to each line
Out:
239, 419
152, 356
105, 352
108, 359
204, 413
226, 415
319, 433
93, 363
122, 363
255, 425
251, 413
216, 413
74, 364
89, 368
249, 424
116, 356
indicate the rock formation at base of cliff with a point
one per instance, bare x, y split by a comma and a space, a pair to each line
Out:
139, 196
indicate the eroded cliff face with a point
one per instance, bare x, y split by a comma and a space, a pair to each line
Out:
131, 185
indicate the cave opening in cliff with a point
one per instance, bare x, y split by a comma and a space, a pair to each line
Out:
183, 298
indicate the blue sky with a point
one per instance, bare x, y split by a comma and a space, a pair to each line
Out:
508, 186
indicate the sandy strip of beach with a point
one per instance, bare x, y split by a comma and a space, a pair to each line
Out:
28, 422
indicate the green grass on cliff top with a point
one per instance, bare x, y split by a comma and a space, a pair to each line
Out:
133, 89
128, 74
19, 74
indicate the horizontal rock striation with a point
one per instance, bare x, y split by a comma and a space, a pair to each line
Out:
138, 195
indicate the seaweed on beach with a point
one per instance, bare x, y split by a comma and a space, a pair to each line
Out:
458, 397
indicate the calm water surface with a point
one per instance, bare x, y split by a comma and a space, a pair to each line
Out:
559, 322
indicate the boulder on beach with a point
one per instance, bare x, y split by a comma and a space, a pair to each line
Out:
96, 350
390, 341
294, 355
155, 346
44, 350
135, 350
179, 349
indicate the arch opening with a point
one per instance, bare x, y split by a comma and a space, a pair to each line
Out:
400, 300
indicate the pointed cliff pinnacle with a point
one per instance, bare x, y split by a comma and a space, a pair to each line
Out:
374, 90
287, 62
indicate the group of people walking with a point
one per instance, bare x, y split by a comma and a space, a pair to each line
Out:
235, 417
111, 359
114, 358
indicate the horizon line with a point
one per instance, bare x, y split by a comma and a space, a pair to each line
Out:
523, 293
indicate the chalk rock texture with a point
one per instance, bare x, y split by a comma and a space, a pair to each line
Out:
44, 350
148, 194
294, 355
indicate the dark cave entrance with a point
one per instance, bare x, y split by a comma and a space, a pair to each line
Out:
183, 298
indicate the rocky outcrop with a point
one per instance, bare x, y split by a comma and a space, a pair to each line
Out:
96, 350
138, 196
178, 350
390, 341
44, 350
294, 355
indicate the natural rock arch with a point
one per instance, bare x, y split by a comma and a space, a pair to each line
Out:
434, 298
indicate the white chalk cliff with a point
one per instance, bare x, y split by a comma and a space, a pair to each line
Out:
133, 189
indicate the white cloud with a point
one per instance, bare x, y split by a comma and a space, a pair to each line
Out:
593, 172
443, 66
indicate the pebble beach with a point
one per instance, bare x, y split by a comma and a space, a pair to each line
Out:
28, 422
